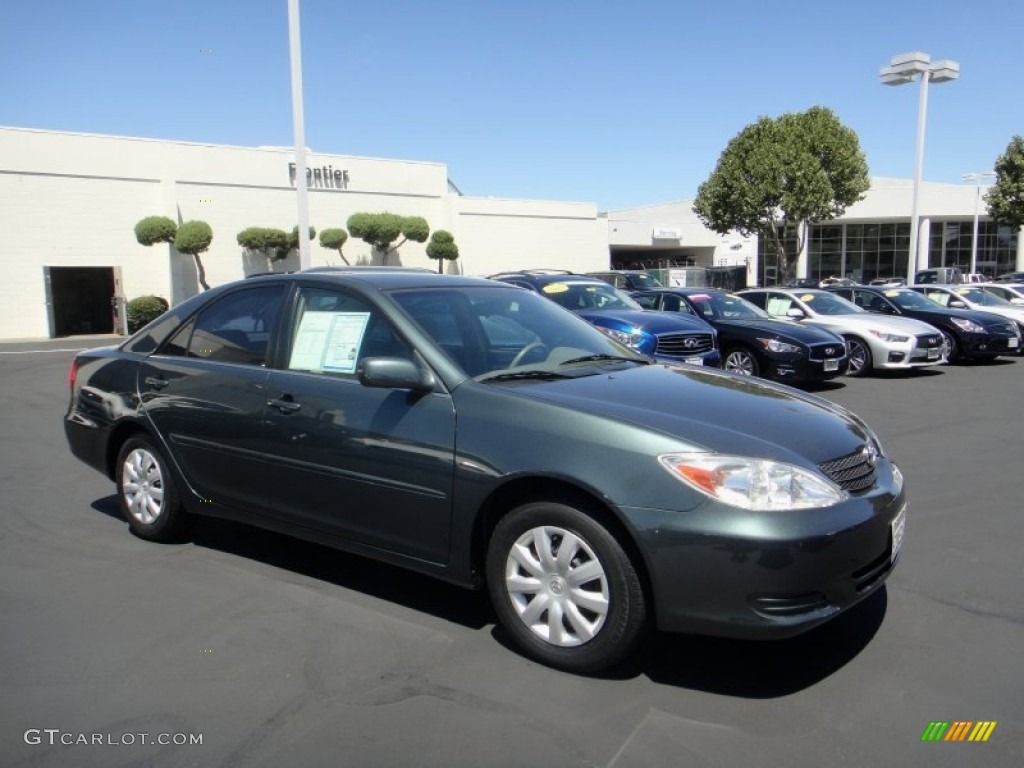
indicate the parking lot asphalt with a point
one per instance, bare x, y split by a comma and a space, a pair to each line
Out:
282, 653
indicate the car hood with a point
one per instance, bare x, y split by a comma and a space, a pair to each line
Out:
985, 319
864, 322
652, 322
714, 410
784, 329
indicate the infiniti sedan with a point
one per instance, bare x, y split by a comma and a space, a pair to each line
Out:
754, 343
972, 297
478, 433
967, 334
876, 343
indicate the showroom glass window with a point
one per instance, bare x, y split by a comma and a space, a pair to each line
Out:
235, 328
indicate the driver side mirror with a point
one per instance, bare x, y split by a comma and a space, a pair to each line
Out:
395, 373
958, 304
795, 314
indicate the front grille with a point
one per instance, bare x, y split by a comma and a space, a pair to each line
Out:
821, 352
929, 341
684, 344
852, 473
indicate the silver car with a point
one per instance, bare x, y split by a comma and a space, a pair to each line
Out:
876, 342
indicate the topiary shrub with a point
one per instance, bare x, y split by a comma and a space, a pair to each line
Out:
143, 310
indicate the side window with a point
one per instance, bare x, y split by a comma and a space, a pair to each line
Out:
671, 303
334, 331
235, 328
777, 306
647, 302
757, 299
939, 297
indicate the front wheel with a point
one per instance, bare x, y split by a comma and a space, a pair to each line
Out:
860, 357
741, 361
146, 491
950, 347
564, 588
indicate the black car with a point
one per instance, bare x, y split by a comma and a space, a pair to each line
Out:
478, 433
677, 339
754, 343
968, 334
628, 279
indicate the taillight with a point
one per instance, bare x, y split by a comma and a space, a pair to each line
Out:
73, 373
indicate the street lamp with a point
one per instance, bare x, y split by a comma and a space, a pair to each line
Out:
904, 69
977, 178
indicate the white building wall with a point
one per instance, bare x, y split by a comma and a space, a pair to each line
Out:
74, 199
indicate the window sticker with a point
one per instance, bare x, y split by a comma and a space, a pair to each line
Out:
329, 341
700, 297
808, 297
555, 288
891, 294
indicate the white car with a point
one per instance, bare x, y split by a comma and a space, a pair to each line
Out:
972, 297
876, 342
1011, 292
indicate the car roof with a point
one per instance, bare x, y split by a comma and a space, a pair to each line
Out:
545, 276
377, 276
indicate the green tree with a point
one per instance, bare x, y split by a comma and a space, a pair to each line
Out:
193, 238
293, 239
442, 247
144, 309
381, 230
155, 229
272, 243
1006, 197
784, 173
334, 240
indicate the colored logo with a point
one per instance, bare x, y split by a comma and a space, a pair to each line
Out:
958, 730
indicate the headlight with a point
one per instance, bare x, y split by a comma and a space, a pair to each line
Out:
632, 339
755, 484
892, 338
967, 325
774, 345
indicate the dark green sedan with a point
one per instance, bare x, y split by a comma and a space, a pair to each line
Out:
479, 433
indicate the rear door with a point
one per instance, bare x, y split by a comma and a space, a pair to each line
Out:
204, 392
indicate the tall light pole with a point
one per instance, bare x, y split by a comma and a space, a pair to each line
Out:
903, 69
977, 178
298, 125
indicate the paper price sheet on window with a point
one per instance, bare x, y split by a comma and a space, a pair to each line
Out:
329, 342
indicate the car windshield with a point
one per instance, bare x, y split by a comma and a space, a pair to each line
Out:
493, 331
643, 282
587, 295
823, 303
716, 305
978, 296
907, 299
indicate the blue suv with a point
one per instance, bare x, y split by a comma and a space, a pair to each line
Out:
665, 337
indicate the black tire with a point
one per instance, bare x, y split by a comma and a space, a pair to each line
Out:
742, 361
147, 493
582, 627
860, 357
953, 354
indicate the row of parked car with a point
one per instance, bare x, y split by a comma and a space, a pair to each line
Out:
793, 335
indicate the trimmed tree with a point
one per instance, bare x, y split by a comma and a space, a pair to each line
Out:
334, 240
143, 310
1006, 197
193, 238
443, 248
155, 229
784, 173
272, 243
381, 230
293, 239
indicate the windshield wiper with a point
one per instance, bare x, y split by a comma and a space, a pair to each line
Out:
514, 375
605, 358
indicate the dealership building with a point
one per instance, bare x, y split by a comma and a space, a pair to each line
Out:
69, 203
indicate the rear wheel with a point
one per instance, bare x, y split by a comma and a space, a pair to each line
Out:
146, 491
860, 357
564, 588
741, 361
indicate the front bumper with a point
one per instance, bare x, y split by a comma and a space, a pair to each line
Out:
724, 572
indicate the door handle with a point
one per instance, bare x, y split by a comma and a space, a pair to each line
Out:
156, 382
284, 406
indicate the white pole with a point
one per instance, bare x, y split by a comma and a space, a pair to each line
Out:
974, 239
295, 55
914, 261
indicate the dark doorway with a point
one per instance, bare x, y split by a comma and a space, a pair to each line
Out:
80, 299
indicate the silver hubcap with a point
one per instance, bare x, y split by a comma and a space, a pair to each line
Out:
740, 362
557, 586
143, 486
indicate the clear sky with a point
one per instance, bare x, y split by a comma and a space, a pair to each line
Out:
620, 103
